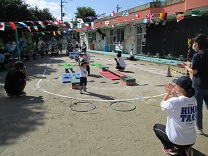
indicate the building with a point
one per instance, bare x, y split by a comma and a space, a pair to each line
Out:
142, 29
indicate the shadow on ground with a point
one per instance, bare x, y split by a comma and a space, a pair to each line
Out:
19, 116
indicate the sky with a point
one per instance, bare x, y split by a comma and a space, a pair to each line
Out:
69, 8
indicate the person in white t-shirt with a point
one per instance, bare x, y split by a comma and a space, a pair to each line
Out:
120, 64
179, 134
86, 56
83, 76
132, 58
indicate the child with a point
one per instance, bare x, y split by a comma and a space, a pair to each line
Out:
83, 76
131, 55
86, 57
179, 134
120, 64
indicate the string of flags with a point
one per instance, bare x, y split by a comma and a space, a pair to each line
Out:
34, 25
148, 19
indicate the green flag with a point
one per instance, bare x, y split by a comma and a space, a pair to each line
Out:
196, 13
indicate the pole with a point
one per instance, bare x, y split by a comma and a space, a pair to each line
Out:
17, 42
61, 10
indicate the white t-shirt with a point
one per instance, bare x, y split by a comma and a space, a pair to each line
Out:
180, 126
121, 62
83, 72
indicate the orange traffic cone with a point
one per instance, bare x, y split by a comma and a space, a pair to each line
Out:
168, 74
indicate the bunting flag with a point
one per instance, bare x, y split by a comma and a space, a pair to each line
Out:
13, 25
28, 28
136, 15
54, 33
35, 27
101, 15
101, 22
42, 24
32, 22
106, 22
22, 23
125, 14
86, 24
80, 20
91, 18
2, 26
163, 16
92, 24
150, 17
196, 13
71, 25
179, 16
58, 21
113, 14
79, 25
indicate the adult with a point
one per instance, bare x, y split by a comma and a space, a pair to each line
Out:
120, 64
179, 134
15, 81
199, 69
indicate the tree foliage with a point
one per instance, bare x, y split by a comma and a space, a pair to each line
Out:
84, 12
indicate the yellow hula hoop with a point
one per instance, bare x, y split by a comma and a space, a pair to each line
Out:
145, 100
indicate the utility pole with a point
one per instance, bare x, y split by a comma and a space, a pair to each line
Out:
118, 7
62, 14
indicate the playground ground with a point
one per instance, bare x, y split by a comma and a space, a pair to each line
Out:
42, 123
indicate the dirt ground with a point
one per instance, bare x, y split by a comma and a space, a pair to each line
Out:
42, 123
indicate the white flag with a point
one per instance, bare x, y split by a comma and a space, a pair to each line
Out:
2, 26
106, 22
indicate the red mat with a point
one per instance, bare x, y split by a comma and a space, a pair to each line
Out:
110, 75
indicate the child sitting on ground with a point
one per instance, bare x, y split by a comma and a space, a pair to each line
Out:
120, 64
131, 55
83, 76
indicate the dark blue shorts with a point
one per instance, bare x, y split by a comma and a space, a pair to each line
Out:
83, 81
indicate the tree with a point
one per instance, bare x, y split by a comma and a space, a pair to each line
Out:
84, 12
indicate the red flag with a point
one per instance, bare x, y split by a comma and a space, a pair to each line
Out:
13, 25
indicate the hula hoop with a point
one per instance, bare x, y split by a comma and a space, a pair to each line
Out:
121, 110
151, 103
86, 103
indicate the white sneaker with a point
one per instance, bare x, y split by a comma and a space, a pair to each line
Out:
199, 131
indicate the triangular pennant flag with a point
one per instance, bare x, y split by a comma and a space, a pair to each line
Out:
2, 26
163, 16
28, 28
196, 13
35, 27
42, 24
54, 33
13, 25
179, 16
22, 23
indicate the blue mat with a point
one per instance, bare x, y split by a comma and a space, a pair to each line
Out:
76, 75
66, 77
